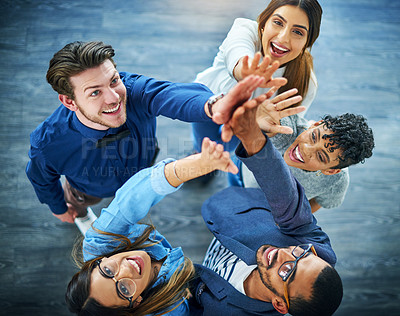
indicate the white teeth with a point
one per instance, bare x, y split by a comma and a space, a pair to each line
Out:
135, 265
279, 47
271, 255
112, 110
297, 154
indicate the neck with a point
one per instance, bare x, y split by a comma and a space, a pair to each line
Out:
254, 287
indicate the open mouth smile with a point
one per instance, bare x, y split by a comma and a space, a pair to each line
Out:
295, 155
137, 263
269, 255
278, 50
113, 110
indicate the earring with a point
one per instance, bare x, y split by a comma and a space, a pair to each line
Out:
318, 173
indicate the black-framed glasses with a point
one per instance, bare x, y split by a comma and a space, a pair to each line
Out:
126, 288
288, 267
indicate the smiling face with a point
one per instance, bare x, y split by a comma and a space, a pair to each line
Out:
134, 265
310, 151
100, 97
300, 282
285, 33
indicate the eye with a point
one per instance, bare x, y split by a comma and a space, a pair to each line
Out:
126, 287
114, 81
320, 158
277, 22
95, 93
299, 33
314, 138
108, 271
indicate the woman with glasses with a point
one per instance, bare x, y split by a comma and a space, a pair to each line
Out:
129, 268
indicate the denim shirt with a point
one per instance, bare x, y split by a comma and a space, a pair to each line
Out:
132, 202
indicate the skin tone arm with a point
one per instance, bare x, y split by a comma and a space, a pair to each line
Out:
212, 157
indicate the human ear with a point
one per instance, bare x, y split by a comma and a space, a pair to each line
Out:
280, 305
329, 172
68, 102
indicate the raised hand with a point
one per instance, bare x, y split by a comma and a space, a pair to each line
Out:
271, 111
265, 69
214, 157
223, 108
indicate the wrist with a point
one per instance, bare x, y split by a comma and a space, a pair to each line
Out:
211, 101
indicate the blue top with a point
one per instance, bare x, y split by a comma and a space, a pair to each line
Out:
131, 204
62, 145
244, 219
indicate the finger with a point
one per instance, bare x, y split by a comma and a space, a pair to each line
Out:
280, 81
232, 168
292, 111
211, 148
279, 129
287, 103
265, 63
245, 63
226, 133
271, 91
219, 150
284, 95
256, 60
271, 69
205, 144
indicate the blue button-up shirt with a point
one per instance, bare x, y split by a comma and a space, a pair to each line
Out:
131, 204
62, 145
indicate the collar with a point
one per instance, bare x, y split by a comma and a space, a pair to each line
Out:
91, 132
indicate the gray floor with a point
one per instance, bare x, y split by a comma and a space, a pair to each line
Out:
357, 65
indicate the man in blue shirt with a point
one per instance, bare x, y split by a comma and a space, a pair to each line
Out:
268, 256
105, 129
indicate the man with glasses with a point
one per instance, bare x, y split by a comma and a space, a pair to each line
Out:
268, 256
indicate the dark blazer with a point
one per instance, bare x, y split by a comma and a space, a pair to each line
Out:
244, 219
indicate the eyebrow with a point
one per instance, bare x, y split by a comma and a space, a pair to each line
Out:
291, 278
295, 25
324, 152
98, 86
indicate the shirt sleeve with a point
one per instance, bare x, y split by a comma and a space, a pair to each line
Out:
45, 181
132, 202
241, 40
182, 101
289, 205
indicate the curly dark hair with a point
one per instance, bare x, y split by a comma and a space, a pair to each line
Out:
352, 136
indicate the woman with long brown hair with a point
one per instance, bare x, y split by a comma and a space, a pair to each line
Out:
283, 33
129, 268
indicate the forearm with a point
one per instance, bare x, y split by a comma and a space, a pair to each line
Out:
186, 169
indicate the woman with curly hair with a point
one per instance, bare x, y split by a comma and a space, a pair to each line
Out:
129, 268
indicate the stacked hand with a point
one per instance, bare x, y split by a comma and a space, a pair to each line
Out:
271, 111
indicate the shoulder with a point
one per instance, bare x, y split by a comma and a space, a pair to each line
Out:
54, 127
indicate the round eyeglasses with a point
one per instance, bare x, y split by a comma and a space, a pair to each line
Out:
126, 288
288, 267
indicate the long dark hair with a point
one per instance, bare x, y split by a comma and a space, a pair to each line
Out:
298, 71
156, 300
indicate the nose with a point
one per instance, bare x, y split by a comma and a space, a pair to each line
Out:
111, 96
283, 35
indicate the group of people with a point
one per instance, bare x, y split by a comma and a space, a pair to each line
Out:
252, 100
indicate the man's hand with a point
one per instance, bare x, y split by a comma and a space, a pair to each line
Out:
265, 69
271, 111
243, 124
69, 216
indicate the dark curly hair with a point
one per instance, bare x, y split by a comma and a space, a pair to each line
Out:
352, 136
